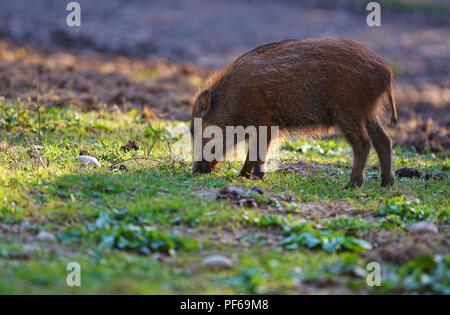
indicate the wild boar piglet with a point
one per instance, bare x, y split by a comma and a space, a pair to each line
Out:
304, 87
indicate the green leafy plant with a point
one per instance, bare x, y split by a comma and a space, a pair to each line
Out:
328, 241
425, 274
406, 209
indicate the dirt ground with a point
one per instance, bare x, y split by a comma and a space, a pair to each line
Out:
153, 54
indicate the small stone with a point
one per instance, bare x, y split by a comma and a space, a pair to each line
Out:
144, 251
44, 236
217, 262
88, 160
231, 192
408, 172
248, 203
436, 176
116, 168
159, 257
122, 167
257, 189
423, 227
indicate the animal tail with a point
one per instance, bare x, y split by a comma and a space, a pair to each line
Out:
394, 119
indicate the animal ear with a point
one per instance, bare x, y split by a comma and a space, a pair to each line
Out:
204, 103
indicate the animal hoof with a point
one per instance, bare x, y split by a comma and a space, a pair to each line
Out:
257, 176
348, 186
387, 182
353, 184
244, 174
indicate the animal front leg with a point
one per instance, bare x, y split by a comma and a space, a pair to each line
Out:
263, 143
247, 169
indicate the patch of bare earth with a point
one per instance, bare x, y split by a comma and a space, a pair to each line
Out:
399, 247
424, 135
92, 81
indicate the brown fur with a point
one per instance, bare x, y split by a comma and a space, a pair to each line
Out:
306, 87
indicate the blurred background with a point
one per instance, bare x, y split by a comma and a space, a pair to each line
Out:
153, 55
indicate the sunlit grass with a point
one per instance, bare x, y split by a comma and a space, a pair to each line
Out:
103, 218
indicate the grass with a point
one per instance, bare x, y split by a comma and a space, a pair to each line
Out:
146, 229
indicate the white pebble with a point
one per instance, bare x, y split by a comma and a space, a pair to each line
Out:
44, 236
217, 262
423, 227
89, 160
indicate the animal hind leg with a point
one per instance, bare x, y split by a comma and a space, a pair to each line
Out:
356, 136
383, 146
